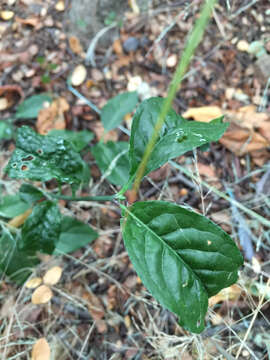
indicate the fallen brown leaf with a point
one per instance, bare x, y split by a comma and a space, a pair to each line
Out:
75, 45
41, 350
10, 95
53, 116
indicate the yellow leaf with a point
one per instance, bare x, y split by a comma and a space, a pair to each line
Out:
79, 75
33, 283
53, 275
41, 350
60, 5
7, 15
231, 293
203, 113
17, 221
42, 295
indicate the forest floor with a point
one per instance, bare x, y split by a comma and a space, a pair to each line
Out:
100, 309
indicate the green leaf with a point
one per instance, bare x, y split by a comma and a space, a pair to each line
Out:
6, 130
79, 139
42, 228
112, 159
176, 137
12, 205
74, 235
116, 108
182, 257
30, 194
30, 107
15, 263
43, 158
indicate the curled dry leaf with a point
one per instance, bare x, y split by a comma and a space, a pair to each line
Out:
203, 113
41, 350
53, 275
33, 283
231, 293
9, 95
53, 116
79, 75
42, 295
75, 45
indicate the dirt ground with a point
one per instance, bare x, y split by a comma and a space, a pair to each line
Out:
100, 309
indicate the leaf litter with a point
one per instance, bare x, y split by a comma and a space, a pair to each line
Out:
220, 65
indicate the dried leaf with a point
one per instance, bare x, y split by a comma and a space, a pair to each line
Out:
60, 5
10, 94
6, 15
75, 45
33, 283
19, 220
231, 293
94, 305
34, 21
53, 275
42, 295
41, 350
79, 75
53, 116
203, 113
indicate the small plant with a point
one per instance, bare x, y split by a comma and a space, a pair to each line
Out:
47, 68
181, 256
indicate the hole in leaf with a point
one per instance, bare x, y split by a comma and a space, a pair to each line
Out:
209, 242
28, 158
24, 168
40, 151
198, 323
14, 165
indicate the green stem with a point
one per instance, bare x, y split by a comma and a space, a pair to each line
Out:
84, 198
192, 43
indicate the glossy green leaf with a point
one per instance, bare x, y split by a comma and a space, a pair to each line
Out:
176, 137
74, 235
6, 130
30, 194
43, 158
79, 139
112, 159
12, 205
113, 112
30, 107
42, 228
182, 257
14, 262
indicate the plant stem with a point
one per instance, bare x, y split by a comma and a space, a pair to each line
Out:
84, 198
192, 43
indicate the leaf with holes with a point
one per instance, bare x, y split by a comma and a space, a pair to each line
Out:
113, 112
42, 228
182, 257
43, 158
176, 137
112, 159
